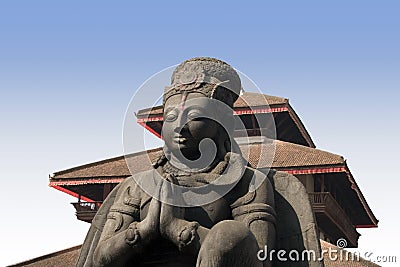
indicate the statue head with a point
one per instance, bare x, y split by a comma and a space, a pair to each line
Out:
198, 108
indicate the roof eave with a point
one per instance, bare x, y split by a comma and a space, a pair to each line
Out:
300, 125
354, 186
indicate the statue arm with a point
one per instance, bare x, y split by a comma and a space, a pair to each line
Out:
123, 236
113, 248
257, 211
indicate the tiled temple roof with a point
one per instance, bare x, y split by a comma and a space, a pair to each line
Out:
286, 155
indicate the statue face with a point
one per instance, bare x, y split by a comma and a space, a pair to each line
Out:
187, 122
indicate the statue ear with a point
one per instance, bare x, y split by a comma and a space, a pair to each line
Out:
223, 94
227, 145
228, 121
223, 145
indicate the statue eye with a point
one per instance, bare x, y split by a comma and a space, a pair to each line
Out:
171, 116
194, 114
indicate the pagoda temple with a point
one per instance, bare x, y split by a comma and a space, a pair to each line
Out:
337, 201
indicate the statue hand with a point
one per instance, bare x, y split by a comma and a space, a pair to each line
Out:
170, 215
173, 226
149, 227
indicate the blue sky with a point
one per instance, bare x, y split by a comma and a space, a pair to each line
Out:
68, 70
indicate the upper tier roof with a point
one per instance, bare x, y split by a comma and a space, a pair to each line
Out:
288, 125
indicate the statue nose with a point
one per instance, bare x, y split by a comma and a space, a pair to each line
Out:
181, 123
181, 129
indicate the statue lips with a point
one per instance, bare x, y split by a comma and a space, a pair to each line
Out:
180, 139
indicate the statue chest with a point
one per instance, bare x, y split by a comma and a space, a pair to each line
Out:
207, 215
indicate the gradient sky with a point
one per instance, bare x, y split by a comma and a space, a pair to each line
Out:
69, 69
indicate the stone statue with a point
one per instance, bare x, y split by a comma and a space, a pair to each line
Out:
200, 205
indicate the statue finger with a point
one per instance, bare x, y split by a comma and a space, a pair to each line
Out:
155, 205
159, 188
167, 191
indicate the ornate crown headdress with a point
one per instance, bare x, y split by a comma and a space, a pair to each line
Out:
209, 76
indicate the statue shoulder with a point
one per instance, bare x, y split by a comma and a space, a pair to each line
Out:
254, 187
134, 182
131, 191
